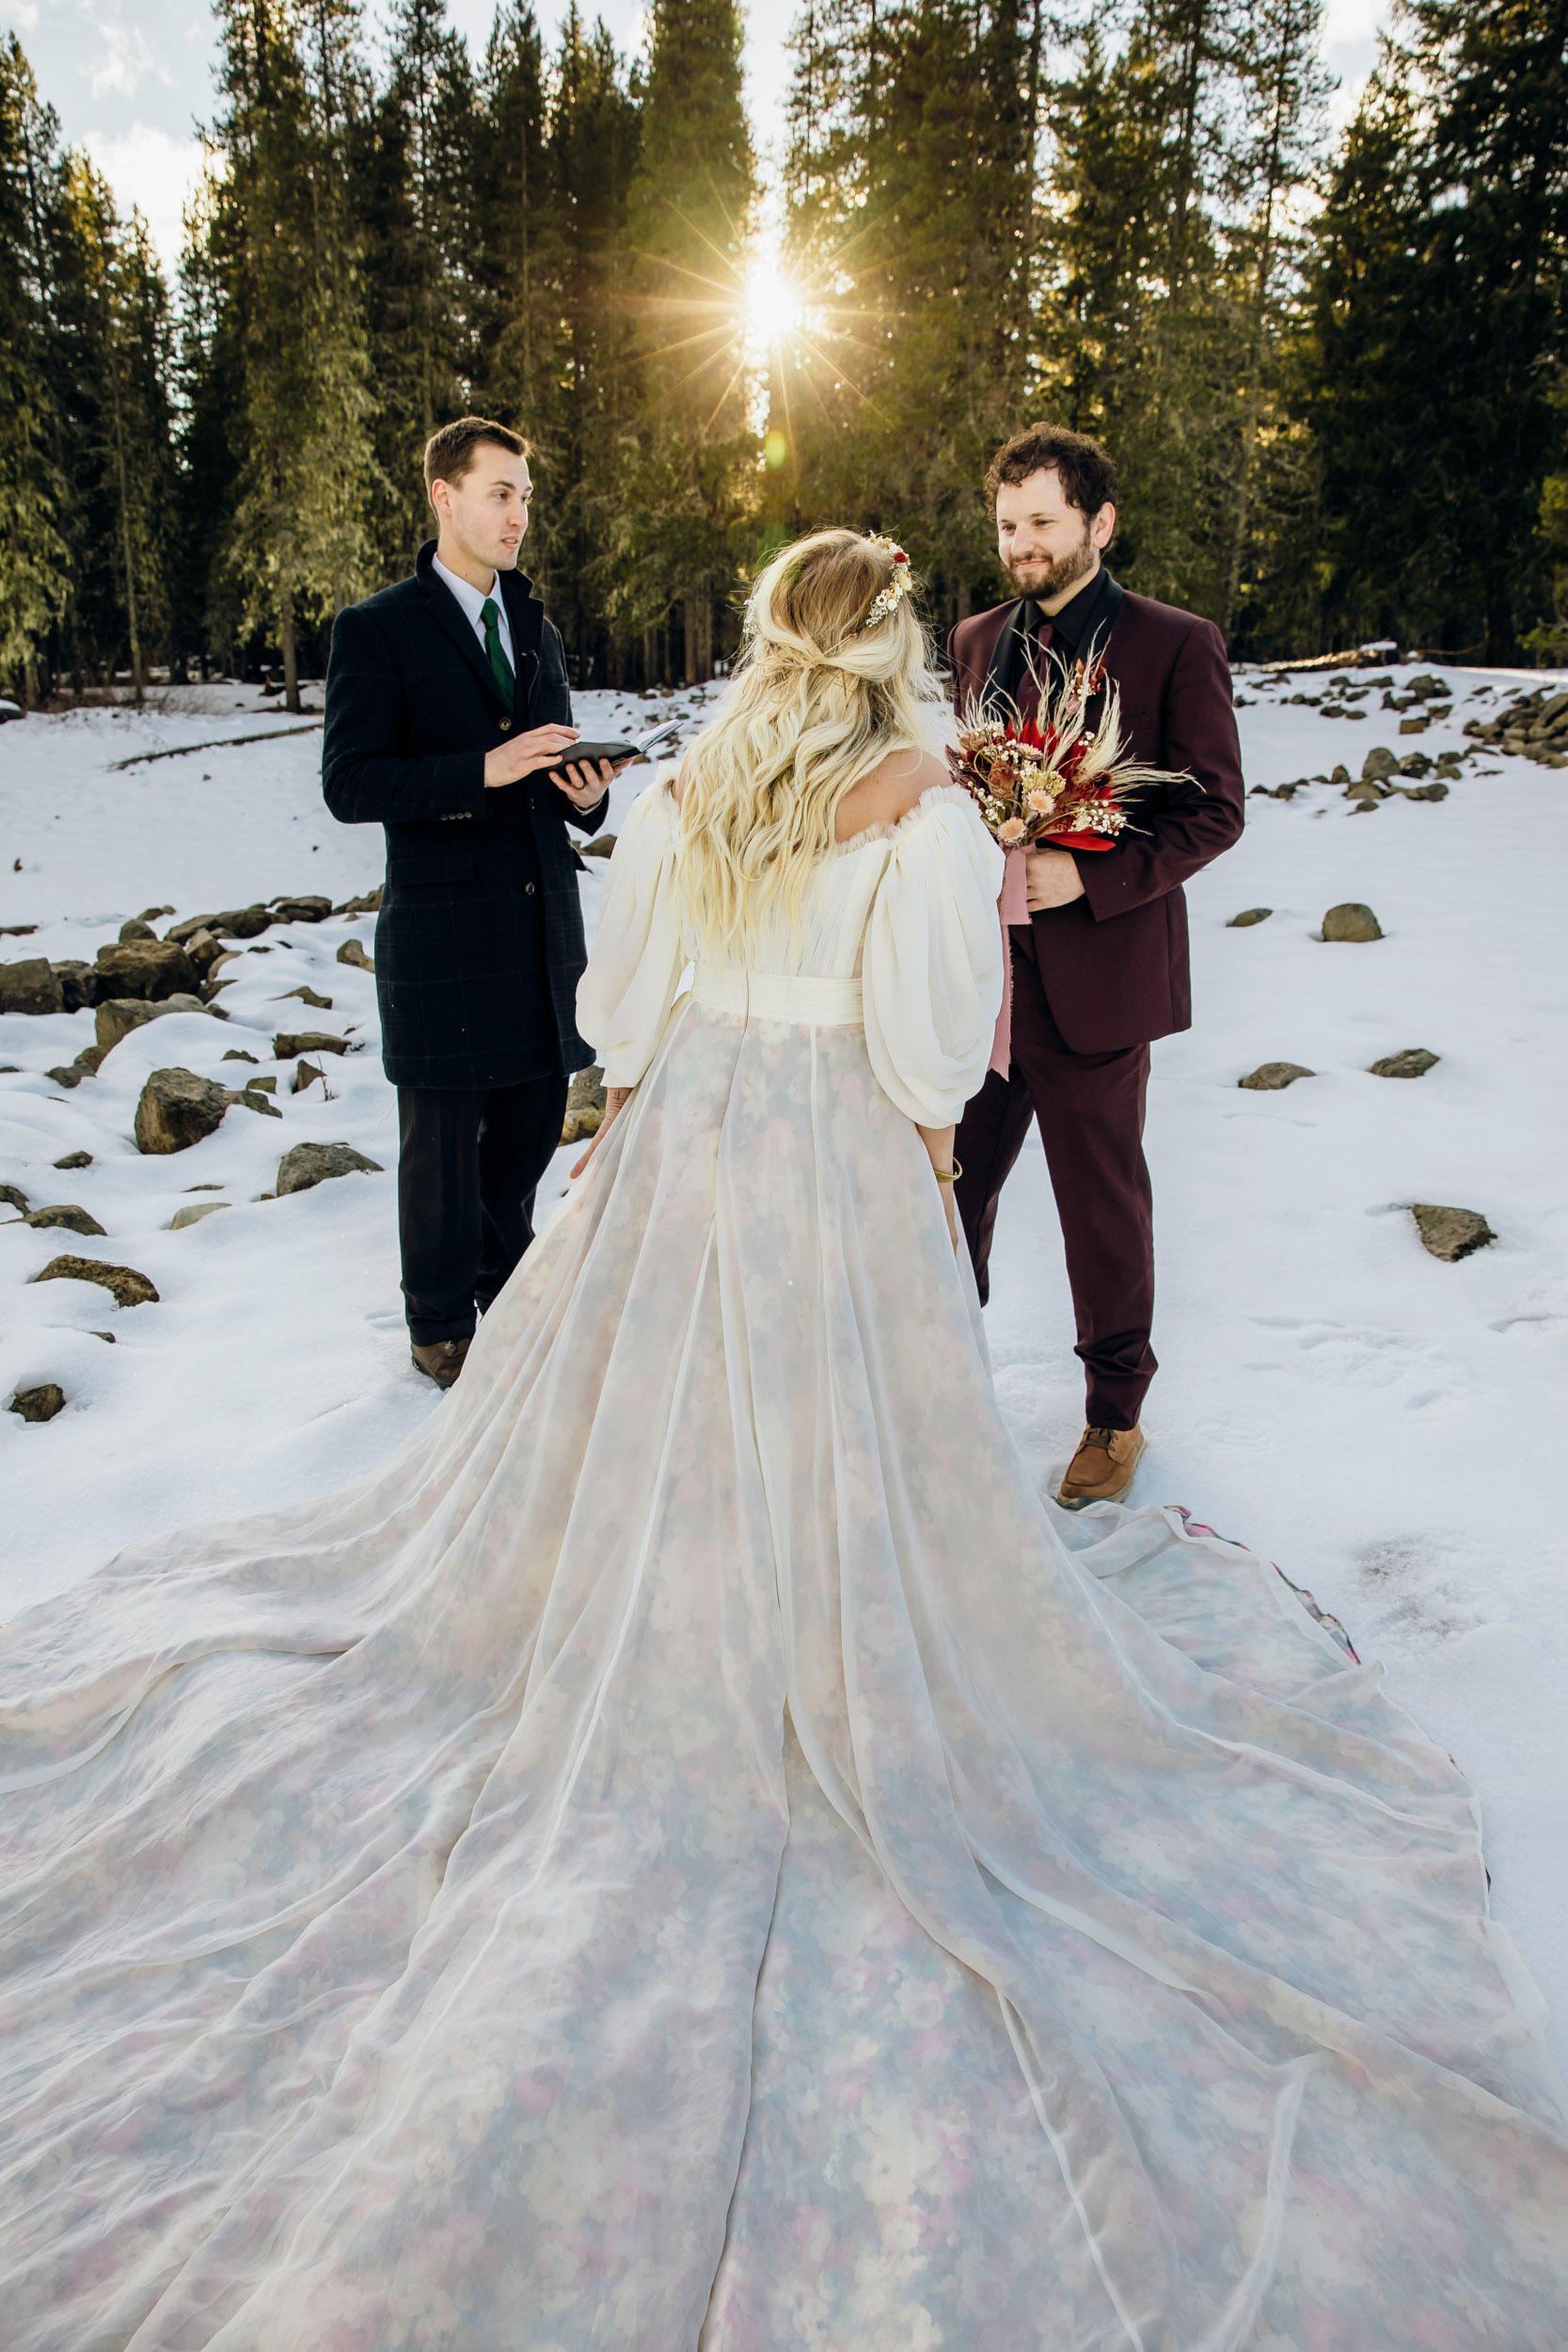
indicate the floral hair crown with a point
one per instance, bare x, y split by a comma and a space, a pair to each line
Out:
897, 588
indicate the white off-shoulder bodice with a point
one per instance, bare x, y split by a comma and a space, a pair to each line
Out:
908, 909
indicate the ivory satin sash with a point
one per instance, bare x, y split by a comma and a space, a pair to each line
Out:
808, 997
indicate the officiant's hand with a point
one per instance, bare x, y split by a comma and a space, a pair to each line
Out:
584, 785
1052, 878
541, 747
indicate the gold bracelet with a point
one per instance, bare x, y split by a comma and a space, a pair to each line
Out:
950, 1175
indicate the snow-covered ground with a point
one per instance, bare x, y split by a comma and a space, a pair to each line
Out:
1383, 1424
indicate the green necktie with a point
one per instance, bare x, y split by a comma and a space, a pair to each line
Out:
499, 667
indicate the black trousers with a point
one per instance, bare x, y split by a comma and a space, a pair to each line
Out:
1090, 1109
469, 1160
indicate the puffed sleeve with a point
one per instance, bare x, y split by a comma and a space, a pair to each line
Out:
639, 954
932, 965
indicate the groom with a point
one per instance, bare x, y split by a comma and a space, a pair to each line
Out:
447, 714
1101, 967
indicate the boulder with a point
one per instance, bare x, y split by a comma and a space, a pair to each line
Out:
79, 984
1434, 791
204, 948
369, 904
85, 1066
193, 1212
1414, 726
1269, 1077
307, 1073
128, 1287
1413, 1062
1415, 764
1341, 773
602, 844
117, 1016
241, 923
585, 1106
137, 929
351, 952
74, 1159
180, 932
308, 997
289, 1042
1451, 1233
1247, 918
260, 1086
30, 986
234, 1053
1351, 921
150, 968
67, 1217
310, 1164
40, 1404
14, 1198
1380, 762
177, 1109
301, 910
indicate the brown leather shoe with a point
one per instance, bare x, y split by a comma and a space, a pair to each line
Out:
441, 1362
1101, 1469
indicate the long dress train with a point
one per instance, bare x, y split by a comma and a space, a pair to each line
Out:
694, 1852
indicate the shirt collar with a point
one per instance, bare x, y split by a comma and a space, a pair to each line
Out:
472, 599
1074, 623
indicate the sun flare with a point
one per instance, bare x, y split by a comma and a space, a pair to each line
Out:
775, 309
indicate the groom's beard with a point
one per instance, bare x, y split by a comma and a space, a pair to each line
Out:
1045, 581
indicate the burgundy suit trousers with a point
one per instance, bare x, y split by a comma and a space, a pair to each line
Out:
1090, 1109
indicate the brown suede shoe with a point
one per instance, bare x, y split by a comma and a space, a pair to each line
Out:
1101, 1469
441, 1362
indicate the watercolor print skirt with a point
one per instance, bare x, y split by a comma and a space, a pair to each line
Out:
694, 1852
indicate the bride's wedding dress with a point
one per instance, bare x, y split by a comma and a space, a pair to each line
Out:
695, 1853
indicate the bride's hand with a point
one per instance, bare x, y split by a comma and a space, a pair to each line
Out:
615, 1099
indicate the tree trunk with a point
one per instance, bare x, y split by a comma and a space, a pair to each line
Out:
291, 660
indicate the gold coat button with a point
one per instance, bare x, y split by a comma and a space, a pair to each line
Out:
506, 726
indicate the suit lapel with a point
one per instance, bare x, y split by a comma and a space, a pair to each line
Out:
995, 694
444, 608
525, 615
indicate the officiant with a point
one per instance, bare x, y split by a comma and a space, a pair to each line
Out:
448, 718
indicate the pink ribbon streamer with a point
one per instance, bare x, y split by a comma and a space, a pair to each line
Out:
1011, 907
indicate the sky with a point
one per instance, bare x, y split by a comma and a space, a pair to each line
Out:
132, 79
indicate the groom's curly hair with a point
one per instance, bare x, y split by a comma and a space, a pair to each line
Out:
1086, 470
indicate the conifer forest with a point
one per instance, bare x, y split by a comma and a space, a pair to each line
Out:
1332, 368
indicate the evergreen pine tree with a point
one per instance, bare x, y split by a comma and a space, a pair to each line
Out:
297, 540
35, 575
514, 264
690, 222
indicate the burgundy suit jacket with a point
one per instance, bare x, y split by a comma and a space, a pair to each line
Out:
1113, 963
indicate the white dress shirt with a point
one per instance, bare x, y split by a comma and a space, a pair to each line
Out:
472, 600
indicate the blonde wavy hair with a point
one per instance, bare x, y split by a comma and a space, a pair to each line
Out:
820, 694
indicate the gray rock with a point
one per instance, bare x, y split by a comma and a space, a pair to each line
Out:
79, 984
369, 904
1341, 773
260, 1086
152, 968
14, 1198
1414, 726
30, 986
1413, 1062
1380, 762
67, 1217
235, 1054
193, 1212
308, 997
241, 923
308, 1073
136, 929
117, 1016
40, 1404
1434, 791
301, 910
287, 1043
177, 1109
310, 1164
1269, 1077
1451, 1233
585, 1106
1415, 764
1351, 921
351, 952
128, 1287
74, 1159
180, 932
204, 949
602, 844
1247, 918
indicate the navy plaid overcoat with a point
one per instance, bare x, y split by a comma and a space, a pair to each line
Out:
479, 947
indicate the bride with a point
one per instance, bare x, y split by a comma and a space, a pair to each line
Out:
694, 1852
